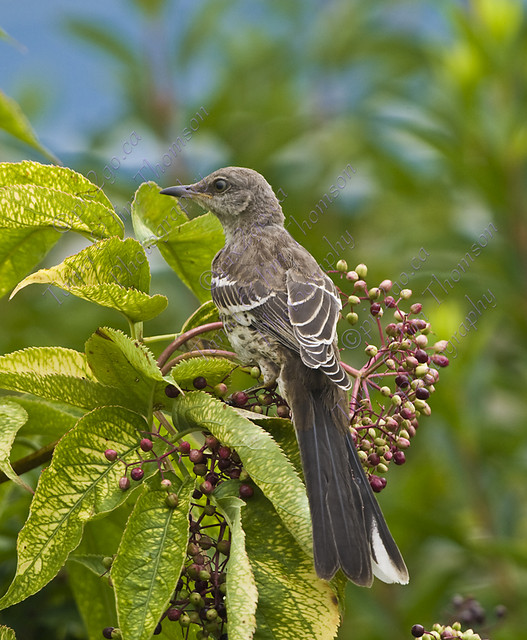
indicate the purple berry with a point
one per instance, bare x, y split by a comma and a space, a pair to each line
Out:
422, 393
401, 381
184, 447
399, 457
282, 411
211, 442
376, 483
389, 301
199, 383
440, 360
171, 391
110, 455
246, 491
418, 630
137, 473
206, 487
240, 398
107, 632
224, 452
196, 456
421, 356
375, 307
146, 444
173, 614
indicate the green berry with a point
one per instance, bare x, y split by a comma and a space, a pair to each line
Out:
406, 293
354, 300
362, 270
371, 350
352, 318
255, 373
342, 266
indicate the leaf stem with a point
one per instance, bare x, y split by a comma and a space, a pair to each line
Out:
187, 335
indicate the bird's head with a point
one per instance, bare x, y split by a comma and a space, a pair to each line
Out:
236, 195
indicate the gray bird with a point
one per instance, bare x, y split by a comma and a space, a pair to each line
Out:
280, 312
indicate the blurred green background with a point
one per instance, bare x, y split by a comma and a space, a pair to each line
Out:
398, 129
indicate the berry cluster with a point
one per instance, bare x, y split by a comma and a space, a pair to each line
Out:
444, 632
390, 392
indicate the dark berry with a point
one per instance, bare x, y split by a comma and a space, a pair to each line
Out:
209, 509
200, 382
421, 356
407, 414
171, 391
146, 444
374, 459
240, 398
224, 452
200, 469
196, 494
110, 455
205, 542
389, 301
213, 478
377, 483
422, 393
399, 457
107, 632
401, 381
184, 447
246, 491
440, 360
223, 464
418, 630
196, 456
234, 473
124, 483
137, 474
375, 307
158, 629
173, 614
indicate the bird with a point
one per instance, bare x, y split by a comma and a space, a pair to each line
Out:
280, 310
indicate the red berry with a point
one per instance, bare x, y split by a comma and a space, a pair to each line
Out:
375, 307
374, 459
240, 398
211, 442
389, 301
440, 360
206, 487
146, 444
224, 452
184, 447
376, 483
200, 382
399, 457
173, 614
137, 473
110, 455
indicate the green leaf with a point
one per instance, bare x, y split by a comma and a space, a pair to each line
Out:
60, 178
57, 374
13, 120
47, 421
33, 216
150, 559
104, 37
12, 418
242, 594
261, 456
78, 485
290, 595
30, 205
112, 273
205, 314
188, 246
154, 215
118, 361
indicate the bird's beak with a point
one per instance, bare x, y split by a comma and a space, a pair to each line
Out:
181, 191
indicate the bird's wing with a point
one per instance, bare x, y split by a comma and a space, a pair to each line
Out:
313, 306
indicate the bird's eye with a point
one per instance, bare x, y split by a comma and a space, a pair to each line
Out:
220, 185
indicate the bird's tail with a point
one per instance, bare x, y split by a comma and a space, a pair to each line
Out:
349, 530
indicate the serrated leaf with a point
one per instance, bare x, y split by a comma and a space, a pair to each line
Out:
112, 273
13, 120
60, 178
6, 633
261, 456
154, 215
290, 595
242, 594
29, 205
188, 246
78, 485
48, 421
205, 314
121, 362
150, 559
57, 374
12, 418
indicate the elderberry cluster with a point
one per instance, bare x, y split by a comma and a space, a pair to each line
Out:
391, 391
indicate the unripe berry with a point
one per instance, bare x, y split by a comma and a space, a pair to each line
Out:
172, 500
403, 443
421, 370
146, 444
386, 391
406, 293
360, 284
371, 350
224, 546
184, 620
200, 469
199, 383
282, 411
206, 487
374, 293
111, 456
195, 455
221, 390
342, 266
440, 360
352, 276
440, 346
416, 307
386, 285
255, 372
165, 484
211, 614
124, 483
352, 317
212, 443
361, 270
353, 300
